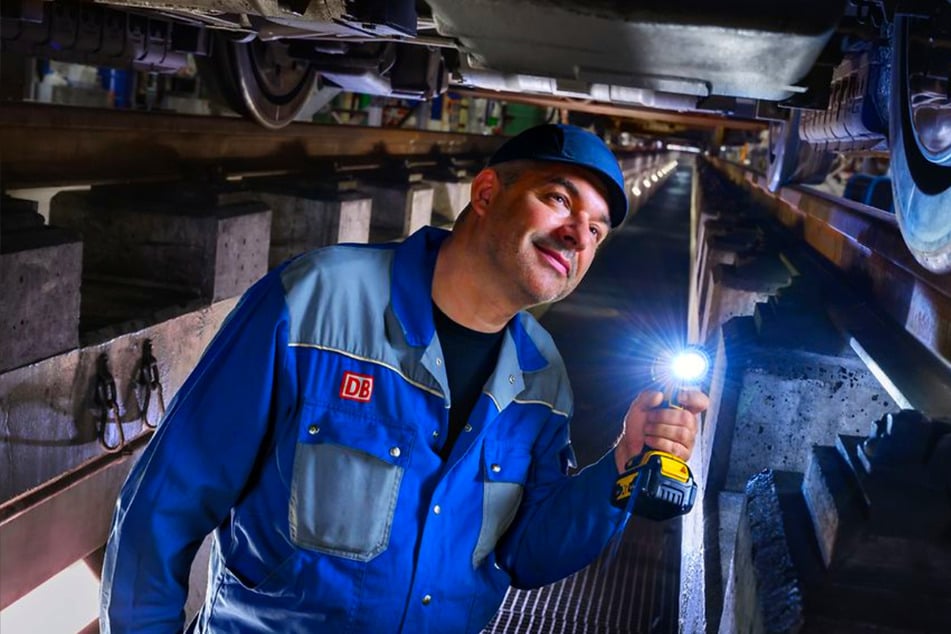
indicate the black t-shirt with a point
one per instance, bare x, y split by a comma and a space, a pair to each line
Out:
470, 358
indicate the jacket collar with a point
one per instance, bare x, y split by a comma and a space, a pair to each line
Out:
411, 283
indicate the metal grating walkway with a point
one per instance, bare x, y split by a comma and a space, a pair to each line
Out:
629, 591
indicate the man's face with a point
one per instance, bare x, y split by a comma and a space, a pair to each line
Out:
542, 231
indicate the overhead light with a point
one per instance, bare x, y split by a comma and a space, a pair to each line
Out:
683, 148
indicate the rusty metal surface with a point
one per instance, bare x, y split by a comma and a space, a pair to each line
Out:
57, 145
866, 245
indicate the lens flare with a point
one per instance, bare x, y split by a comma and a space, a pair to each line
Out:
689, 365
680, 367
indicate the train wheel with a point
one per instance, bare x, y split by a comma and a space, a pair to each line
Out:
783, 151
260, 80
920, 144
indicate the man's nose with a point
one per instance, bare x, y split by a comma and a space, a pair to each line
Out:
574, 233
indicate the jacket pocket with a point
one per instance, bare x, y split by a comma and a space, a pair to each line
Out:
505, 470
344, 491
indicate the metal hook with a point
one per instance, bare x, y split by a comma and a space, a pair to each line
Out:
149, 378
106, 398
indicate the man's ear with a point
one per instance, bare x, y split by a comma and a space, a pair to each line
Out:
485, 187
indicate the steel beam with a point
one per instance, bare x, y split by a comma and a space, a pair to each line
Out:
688, 119
59, 146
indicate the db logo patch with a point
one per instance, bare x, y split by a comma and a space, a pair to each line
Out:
356, 387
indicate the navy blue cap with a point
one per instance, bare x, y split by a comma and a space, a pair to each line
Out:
575, 146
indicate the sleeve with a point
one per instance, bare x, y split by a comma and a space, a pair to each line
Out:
564, 522
196, 465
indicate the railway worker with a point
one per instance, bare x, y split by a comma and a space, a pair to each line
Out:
378, 435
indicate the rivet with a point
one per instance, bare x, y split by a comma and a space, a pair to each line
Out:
468, 427
313, 429
511, 378
395, 452
427, 599
496, 468
438, 361
437, 509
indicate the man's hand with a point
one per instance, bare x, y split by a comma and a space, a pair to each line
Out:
666, 429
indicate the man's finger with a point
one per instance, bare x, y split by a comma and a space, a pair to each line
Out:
648, 399
683, 434
693, 401
661, 443
672, 416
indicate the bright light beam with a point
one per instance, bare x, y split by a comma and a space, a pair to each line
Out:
689, 366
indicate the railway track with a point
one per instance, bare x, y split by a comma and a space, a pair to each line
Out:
894, 314
825, 450
889, 304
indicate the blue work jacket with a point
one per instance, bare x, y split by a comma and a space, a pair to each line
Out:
306, 439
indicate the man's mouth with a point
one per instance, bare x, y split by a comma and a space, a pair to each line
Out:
556, 259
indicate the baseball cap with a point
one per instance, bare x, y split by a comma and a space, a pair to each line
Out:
573, 145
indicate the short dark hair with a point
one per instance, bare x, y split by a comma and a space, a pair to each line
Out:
508, 174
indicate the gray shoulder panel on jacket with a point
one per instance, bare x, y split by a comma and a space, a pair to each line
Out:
337, 298
550, 384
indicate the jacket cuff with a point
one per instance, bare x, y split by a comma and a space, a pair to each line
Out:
604, 481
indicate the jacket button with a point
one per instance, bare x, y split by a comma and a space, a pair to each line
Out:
468, 427
395, 452
313, 429
427, 599
511, 378
437, 509
438, 361
496, 468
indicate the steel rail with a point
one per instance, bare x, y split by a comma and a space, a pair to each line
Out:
897, 306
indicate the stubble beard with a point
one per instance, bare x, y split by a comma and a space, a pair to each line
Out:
536, 282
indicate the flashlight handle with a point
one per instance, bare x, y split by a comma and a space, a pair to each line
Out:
660, 483
634, 460
672, 394
669, 402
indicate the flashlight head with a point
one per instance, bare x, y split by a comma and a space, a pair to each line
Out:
690, 365
679, 368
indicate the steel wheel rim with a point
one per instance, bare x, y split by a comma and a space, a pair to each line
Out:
928, 100
921, 188
272, 91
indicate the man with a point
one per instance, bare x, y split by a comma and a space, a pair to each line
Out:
379, 434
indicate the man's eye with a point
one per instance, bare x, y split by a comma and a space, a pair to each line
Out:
595, 231
559, 198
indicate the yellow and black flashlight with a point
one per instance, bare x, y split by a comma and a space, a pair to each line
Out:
661, 483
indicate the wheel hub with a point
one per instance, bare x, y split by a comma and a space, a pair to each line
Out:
931, 114
278, 75
929, 92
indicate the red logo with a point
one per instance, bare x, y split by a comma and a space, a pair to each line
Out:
356, 387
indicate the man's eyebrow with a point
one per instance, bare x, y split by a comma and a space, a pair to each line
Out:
567, 184
573, 190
